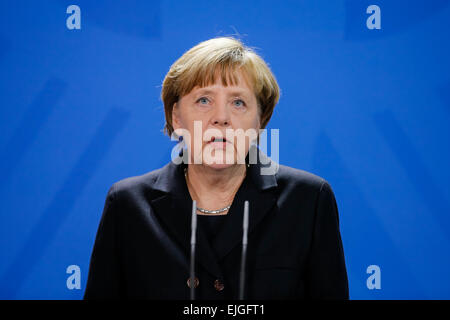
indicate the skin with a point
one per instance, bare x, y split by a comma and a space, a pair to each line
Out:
214, 185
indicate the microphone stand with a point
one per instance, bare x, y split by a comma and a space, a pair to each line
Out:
193, 243
243, 255
244, 251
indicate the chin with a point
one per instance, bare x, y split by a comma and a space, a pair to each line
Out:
222, 163
219, 166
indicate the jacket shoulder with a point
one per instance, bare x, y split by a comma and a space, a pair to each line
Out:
293, 177
135, 185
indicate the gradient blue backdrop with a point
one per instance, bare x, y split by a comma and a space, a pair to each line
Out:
366, 109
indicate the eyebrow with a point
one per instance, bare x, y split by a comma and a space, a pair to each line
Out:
232, 92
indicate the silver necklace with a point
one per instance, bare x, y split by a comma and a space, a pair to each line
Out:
214, 211
205, 210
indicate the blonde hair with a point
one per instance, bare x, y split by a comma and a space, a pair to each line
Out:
200, 65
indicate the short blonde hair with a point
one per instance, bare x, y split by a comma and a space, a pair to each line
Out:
200, 65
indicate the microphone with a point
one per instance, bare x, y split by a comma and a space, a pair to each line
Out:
244, 251
193, 243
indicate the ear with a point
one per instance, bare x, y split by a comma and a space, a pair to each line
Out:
175, 116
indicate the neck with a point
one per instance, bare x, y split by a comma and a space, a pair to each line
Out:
214, 188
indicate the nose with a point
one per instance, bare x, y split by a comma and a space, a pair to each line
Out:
221, 116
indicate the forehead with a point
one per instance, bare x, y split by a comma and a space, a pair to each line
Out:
241, 88
241, 85
231, 90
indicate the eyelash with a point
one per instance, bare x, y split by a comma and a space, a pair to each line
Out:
243, 102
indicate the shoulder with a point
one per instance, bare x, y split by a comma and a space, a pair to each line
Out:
298, 180
135, 187
301, 189
302, 185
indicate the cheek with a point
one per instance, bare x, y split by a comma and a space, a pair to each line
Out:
196, 128
257, 123
253, 123
256, 118
186, 122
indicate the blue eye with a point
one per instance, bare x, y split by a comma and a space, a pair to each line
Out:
202, 98
243, 103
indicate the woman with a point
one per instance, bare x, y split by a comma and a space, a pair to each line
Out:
142, 247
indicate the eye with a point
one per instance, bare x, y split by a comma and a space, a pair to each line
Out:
241, 105
202, 99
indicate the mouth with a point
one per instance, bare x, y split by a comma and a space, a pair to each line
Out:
218, 141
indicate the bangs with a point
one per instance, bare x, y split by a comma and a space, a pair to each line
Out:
227, 73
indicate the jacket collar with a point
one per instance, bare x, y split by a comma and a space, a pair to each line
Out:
169, 179
175, 207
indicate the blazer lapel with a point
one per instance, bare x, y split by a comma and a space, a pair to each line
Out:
258, 190
174, 208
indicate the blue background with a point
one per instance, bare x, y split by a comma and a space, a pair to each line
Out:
368, 110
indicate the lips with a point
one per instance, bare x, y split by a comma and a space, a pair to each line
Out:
218, 139
218, 142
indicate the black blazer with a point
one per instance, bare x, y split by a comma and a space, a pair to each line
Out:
295, 251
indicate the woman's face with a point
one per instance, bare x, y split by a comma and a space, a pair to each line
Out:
213, 112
